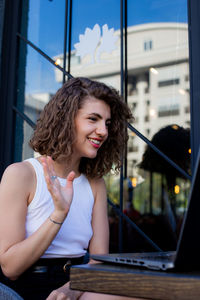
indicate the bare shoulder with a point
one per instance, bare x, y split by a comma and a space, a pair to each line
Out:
18, 170
98, 186
18, 174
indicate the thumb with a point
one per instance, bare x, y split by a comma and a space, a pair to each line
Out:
70, 179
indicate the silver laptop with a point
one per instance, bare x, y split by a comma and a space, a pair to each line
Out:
187, 254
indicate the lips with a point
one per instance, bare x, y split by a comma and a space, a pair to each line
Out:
95, 142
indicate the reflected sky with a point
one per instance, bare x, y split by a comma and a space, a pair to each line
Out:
139, 12
46, 25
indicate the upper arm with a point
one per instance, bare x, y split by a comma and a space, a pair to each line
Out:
14, 193
99, 243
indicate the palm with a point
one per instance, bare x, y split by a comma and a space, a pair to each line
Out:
61, 195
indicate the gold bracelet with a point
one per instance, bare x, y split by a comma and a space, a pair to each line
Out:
58, 223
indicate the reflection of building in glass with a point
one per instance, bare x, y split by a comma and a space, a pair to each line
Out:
158, 78
34, 104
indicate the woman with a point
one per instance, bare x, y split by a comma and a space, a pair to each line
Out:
54, 207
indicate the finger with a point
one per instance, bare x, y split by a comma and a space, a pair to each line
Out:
70, 179
58, 296
45, 164
62, 296
47, 173
50, 170
45, 167
50, 164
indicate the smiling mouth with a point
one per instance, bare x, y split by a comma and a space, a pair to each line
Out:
96, 142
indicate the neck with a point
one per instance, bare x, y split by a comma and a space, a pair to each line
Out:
63, 167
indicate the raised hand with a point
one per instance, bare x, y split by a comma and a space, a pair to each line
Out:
61, 195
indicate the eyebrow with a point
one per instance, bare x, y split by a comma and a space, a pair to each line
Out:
99, 116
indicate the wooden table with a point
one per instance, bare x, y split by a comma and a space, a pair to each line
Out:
133, 282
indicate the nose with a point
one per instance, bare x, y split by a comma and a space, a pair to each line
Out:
102, 129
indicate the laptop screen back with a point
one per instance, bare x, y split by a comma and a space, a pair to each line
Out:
188, 248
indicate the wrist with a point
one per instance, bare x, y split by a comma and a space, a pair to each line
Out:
57, 218
55, 222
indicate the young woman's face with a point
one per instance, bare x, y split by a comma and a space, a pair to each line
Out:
91, 125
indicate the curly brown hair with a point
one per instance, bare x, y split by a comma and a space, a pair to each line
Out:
55, 132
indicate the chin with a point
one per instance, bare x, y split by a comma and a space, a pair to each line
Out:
91, 155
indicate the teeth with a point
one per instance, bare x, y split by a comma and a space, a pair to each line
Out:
94, 141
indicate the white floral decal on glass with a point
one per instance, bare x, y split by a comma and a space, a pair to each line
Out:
93, 44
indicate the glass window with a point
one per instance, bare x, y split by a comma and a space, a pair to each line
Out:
96, 40
45, 30
46, 21
168, 82
158, 94
41, 85
148, 45
157, 87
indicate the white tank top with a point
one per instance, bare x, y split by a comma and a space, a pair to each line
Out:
75, 233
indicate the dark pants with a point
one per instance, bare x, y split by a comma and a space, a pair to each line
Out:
43, 277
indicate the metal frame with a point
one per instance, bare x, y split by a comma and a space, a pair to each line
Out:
2, 8
8, 70
194, 60
67, 37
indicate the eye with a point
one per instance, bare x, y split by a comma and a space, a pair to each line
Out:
93, 119
108, 124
